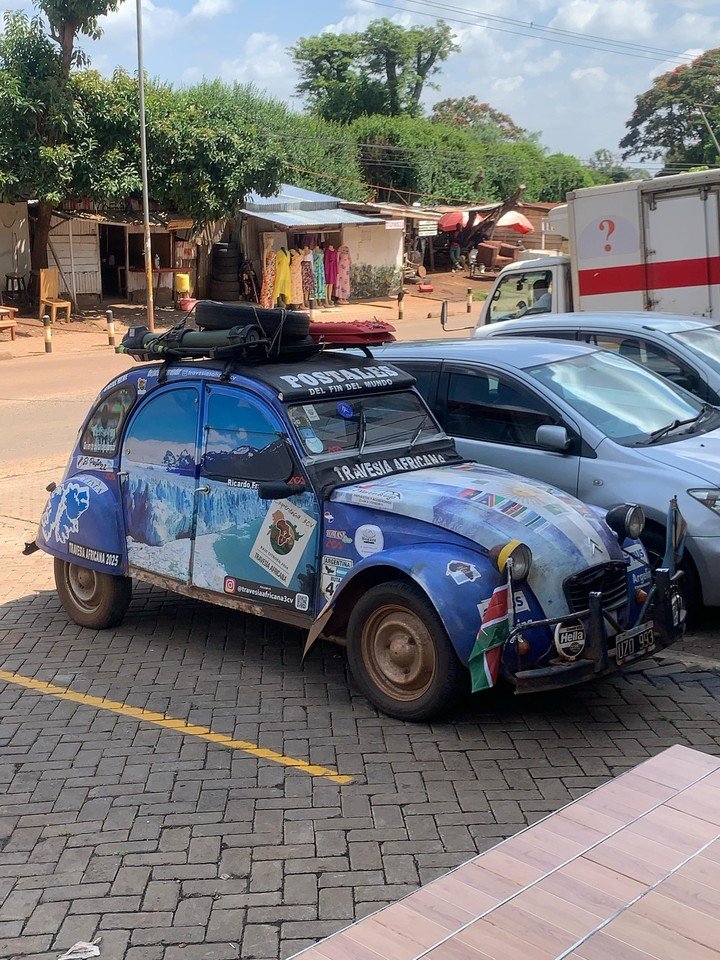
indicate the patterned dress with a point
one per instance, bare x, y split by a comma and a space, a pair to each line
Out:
296, 284
319, 274
282, 276
268, 281
308, 277
342, 286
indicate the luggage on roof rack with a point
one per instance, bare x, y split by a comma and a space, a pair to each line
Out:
210, 315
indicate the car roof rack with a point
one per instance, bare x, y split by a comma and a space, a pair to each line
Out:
249, 342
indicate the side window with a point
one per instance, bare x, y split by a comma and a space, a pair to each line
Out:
426, 381
102, 433
242, 441
651, 356
487, 407
164, 431
543, 334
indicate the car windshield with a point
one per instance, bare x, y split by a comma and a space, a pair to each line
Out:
626, 402
383, 419
520, 296
705, 342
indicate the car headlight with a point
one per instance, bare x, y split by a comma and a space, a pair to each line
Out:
521, 556
709, 496
626, 520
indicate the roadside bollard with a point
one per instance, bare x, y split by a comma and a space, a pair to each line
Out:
444, 314
401, 298
311, 305
47, 333
110, 328
469, 300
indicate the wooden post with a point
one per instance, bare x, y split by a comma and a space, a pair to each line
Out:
444, 314
401, 298
73, 282
110, 328
469, 300
47, 333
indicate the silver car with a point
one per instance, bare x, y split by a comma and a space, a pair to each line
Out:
588, 421
684, 350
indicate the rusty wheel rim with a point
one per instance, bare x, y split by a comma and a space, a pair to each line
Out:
82, 583
399, 652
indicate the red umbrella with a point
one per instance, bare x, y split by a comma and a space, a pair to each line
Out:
516, 221
452, 220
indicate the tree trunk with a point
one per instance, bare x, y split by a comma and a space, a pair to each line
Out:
39, 256
392, 85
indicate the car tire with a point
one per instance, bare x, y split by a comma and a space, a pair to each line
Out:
400, 655
226, 276
91, 598
219, 316
654, 542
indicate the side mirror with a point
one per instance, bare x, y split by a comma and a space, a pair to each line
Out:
552, 437
280, 489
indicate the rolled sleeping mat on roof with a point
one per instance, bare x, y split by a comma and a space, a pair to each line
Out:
211, 315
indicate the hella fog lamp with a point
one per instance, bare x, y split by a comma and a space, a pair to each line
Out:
626, 520
570, 640
521, 556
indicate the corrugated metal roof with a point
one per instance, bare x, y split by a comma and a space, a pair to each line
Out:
326, 217
291, 198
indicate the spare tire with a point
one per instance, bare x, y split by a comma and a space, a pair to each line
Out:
224, 247
217, 316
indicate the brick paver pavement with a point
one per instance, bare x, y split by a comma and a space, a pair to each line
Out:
173, 848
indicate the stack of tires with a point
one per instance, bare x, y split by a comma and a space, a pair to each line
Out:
224, 280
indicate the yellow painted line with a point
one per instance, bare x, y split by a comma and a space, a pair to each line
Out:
170, 723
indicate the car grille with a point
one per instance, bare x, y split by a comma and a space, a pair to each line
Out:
609, 579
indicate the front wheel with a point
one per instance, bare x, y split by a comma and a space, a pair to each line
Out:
690, 587
400, 655
91, 598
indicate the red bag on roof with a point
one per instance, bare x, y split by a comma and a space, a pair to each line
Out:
362, 332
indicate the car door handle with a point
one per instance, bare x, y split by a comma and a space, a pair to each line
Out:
202, 490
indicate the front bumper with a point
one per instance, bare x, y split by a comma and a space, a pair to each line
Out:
663, 610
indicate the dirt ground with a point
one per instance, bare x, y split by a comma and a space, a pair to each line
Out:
421, 318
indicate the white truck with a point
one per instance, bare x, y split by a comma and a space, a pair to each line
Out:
641, 245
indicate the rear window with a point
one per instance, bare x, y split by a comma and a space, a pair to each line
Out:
102, 433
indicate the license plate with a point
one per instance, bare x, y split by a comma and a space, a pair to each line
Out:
634, 643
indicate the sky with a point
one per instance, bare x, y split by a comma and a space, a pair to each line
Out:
577, 94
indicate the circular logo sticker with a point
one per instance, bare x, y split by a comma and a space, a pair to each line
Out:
369, 539
283, 534
345, 409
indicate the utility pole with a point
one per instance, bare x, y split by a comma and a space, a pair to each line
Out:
143, 165
710, 130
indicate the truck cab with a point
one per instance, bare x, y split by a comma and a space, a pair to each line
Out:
530, 287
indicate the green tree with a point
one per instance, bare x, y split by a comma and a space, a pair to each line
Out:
381, 70
470, 113
560, 174
604, 167
666, 121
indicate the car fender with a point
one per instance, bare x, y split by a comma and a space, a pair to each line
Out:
455, 579
82, 522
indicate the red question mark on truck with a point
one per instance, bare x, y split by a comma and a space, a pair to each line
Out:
608, 225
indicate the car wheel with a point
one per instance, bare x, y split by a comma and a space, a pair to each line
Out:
91, 598
654, 542
400, 655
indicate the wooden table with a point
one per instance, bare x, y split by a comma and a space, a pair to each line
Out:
631, 871
7, 320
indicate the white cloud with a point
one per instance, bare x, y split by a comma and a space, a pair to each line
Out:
615, 18
508, 84
592, 76
209, 9
548, 64
263, 61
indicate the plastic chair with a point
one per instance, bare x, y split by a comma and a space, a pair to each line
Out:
49, 289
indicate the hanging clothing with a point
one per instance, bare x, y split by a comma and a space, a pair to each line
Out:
282, 277
308, 279
331, 266
319, 274
342, 285
296, 284
268, 279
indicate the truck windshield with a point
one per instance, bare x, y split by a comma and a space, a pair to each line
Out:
521, 295
705, 342
623, 400
382, 419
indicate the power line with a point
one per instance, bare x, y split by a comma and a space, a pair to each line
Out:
599, 44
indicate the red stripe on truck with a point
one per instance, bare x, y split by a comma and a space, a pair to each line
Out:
698, 272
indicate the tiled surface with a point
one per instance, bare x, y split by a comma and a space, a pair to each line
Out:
647, 888
176, 849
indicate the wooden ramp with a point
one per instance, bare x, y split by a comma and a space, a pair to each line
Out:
631, 871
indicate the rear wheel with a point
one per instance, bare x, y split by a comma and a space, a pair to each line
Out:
91, 598
654, 542
400, 655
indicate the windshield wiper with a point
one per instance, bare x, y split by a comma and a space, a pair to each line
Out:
416, 435
663, 431
362, 430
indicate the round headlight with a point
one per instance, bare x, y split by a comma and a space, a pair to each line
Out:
626, 520
521, 556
